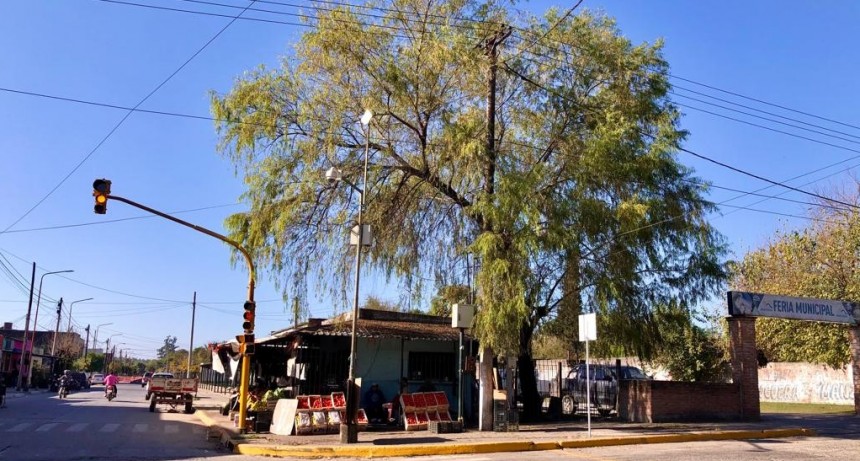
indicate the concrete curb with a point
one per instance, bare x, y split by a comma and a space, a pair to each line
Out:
377, 451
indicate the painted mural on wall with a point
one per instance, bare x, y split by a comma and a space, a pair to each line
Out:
805, 383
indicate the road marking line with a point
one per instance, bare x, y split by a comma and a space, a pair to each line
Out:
109, 427
78, 427
171, 429
140, 427
47, 427
19, 427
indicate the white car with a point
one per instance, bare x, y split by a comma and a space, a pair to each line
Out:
97, 378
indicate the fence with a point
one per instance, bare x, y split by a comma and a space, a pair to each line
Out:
214, 381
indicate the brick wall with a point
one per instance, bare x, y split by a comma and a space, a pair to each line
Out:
661, 401
745, 364
854, 342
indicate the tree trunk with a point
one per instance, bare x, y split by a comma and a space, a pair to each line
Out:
528, 381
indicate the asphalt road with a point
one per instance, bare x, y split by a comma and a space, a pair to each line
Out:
819, 448
40, 426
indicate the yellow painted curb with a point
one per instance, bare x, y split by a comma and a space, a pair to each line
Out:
382, 451
206, 419
688, 437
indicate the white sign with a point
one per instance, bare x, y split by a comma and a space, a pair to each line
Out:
587, 327
766, 305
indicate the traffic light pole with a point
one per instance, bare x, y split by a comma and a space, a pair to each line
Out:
245, 379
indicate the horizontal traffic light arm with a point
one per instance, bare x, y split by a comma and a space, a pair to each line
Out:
245, 377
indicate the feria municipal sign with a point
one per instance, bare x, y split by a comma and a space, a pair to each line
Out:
765, 305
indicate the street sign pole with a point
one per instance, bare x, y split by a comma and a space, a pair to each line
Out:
587, 332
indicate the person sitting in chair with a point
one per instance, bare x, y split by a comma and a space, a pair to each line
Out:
373, 400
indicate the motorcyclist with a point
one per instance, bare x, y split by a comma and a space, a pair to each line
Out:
65, 381
111, 380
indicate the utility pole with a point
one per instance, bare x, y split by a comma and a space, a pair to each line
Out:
87, 343
26, 327
56, 331
491, 46
191, 346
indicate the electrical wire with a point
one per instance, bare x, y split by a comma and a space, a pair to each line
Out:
124, 118
688, 151
109, 221
445, 22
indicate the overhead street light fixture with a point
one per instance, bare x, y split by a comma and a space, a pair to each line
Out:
33, 333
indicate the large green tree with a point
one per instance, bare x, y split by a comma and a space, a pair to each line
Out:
573, 198
819, 261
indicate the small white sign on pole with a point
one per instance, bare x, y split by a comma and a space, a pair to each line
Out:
587, 332
587, 327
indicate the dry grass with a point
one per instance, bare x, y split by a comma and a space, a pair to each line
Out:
808, 408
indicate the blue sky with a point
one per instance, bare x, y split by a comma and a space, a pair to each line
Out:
143, 272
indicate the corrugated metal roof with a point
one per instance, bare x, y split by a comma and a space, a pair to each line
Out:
376, 324
389, 329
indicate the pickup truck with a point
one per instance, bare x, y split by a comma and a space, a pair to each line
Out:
602, 385
164, 388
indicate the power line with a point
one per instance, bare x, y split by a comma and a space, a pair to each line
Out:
124, 118
774, 129
682, 149
773, 114
761, 101
95, 223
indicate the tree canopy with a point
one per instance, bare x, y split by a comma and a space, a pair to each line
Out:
819, 261
575, 201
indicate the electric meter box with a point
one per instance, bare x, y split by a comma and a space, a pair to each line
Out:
462, 315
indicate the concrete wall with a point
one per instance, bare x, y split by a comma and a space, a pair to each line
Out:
661, 401
805, 383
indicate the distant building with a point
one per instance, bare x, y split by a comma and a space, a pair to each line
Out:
12, 345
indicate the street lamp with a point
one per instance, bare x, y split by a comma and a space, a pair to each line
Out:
70, 310
113, 354
33, 334
107, 347
349, 431
96, 335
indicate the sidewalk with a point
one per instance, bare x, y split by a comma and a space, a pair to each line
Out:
544, 436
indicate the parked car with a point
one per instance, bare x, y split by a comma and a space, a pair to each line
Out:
97, 379
146, 377
81, 379
602, 385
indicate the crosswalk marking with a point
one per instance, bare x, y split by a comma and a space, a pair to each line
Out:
46, 427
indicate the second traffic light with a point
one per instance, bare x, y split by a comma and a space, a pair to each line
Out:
101, 191
248, 317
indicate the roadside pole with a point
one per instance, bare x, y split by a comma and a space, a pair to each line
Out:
587, 332
101, 192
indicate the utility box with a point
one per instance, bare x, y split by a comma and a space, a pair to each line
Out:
366, 236
462, 315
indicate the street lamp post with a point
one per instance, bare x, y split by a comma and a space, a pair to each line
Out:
33, 333
70, 310
107, 347
349, 431
96, 335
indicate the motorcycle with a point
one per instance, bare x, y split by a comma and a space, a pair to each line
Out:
63, 390
110, 393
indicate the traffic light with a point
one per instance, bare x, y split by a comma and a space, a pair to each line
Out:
248, 317
101, 191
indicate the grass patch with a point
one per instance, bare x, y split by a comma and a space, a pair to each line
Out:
807, 408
